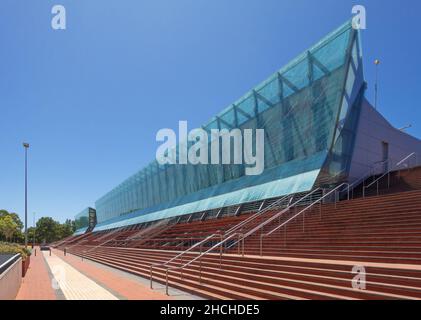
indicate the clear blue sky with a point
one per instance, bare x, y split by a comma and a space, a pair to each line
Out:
90, 99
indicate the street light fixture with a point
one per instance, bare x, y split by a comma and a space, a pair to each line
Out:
26, 146
403, 129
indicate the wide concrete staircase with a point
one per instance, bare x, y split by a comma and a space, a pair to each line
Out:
252, 277
312, 258
316, 255
378, 229
398, 181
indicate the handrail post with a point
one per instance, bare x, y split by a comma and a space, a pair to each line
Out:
239, 244
304, 218
181, 272
285, 235
228, 236
261, 245
320, 209
200, 263
220, 256
151, 277
166, 282
242, 240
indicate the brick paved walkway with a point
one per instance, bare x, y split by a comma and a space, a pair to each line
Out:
122, 285
74, 284
83, 280
37, 283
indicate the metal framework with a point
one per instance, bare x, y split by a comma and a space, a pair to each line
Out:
307, 112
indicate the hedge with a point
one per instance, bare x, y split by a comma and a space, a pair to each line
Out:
12, 248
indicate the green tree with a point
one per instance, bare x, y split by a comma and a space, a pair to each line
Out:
47, 230
3, 213
14, 216
31, 232
69, 228
18, 236
66, 229
8, 227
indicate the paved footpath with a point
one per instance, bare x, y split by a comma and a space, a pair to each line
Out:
117, 282
69, 278
37, 283
73, 284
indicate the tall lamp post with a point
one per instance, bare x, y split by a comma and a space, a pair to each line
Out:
26, 146
33, 239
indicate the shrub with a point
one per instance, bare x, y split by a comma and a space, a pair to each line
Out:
12, 248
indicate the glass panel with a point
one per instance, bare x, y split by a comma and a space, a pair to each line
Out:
299, 130
355, 57
270, 91
328, 55
298, 75
247, 106
350, 81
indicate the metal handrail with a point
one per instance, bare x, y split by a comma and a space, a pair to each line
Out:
244, 222
276, 216
280, 213
82, 241
258, 214
116, 231
225, 234
55, 245
114, 239
169, 268
366, 175
167, 239
180, 255
335, 190
143, 235
228, 236
387, 173
407, 158
188, 250
370, 172
106, 234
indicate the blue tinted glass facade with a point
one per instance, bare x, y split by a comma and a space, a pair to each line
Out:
85, 219
82, 220
308, 111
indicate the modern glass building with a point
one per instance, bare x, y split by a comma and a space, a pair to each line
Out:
310, 112
85, 220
